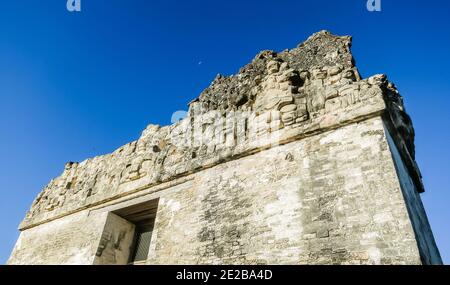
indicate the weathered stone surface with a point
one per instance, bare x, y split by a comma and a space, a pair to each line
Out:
328, 204
295, 159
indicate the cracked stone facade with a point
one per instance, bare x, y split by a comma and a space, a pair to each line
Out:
296, 159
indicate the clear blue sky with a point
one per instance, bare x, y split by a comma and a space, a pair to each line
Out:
77, 85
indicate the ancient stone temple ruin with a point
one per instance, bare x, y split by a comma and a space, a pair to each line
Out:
296, 159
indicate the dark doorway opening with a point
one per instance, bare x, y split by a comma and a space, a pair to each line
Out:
143, 217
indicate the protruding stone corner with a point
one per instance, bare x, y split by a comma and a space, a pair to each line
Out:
23, 225
399, 125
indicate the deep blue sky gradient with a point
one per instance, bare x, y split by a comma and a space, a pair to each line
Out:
77, 85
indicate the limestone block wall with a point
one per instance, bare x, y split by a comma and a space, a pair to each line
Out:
427, 245
333, 198
78, 239
71, 240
